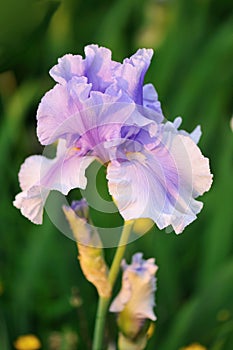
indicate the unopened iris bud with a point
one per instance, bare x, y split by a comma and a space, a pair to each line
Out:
81, 208
89, 246
135, 302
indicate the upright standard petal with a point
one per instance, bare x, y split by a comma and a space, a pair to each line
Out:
39, 175
130, 75
68, 66
59, 112
150, 100
66, 111
102, 72
69, 111
162, 183
97, 67
85, 119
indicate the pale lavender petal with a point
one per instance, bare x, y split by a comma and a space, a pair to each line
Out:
97, 67
196, 134
29, 173
31, 203
104, 73
103, 119
68, 66
192, 167
174, 126
161, 184
72, 112
130, 75
39, 175
31, 200
67, 172
201, 176
150, 100
58, 114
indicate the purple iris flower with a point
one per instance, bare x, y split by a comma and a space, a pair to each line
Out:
100, 110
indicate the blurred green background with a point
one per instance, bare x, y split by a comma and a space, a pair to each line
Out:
42, 289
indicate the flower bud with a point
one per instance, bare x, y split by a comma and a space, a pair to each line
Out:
81, 208
126, 344
89, 246
135, 301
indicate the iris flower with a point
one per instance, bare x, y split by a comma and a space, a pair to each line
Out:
100, 110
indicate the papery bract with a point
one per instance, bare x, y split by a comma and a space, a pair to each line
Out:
89, 247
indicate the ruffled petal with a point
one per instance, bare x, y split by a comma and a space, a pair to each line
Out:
150, 100
130, 74
97, 66
59, 112
39, 175
161, 184
68, 67
202, 179
69, 111
199, 165
31, 203
29, 173
84, 118
102, 72
31, 200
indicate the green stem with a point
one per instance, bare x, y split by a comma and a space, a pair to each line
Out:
113, 273
114, 270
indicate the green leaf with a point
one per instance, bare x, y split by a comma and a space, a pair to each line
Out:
20, 21
198, 317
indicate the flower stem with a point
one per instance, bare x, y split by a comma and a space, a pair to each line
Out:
113, 273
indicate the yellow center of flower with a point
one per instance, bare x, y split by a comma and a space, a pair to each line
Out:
136, 156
